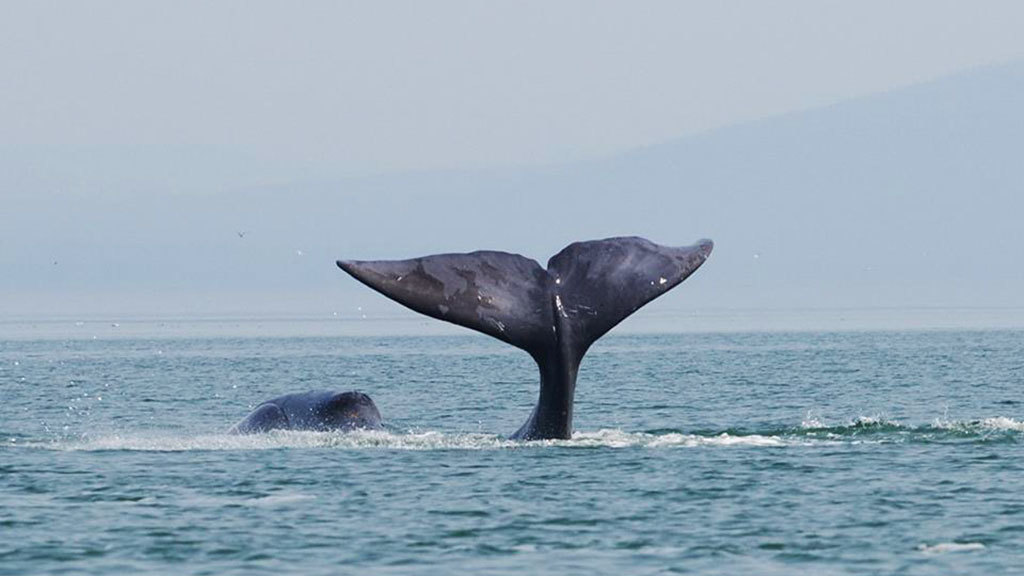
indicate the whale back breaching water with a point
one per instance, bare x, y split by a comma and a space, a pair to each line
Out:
314, 410
554, 314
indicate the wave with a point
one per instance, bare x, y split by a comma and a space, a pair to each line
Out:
365, 439
875, 428
280, 499
811, 432
950, 547
999, 423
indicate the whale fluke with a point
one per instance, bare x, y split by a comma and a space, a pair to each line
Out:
502, 295
554, 314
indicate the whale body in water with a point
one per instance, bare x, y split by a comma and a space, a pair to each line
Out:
554, 314
314, 410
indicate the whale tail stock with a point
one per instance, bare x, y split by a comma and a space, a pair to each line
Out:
554, 314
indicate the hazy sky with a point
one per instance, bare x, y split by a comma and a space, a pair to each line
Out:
137, 139
336, 88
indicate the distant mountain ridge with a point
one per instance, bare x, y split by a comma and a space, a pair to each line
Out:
906, 198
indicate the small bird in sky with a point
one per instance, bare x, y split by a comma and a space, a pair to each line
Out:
241, 234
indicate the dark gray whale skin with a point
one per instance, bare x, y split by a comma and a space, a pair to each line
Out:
554, 314
314, 410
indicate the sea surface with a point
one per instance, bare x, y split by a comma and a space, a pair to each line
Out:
807, 452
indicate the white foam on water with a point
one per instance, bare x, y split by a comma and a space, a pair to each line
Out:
430, 440
722, 439
273, 500
278, 500
811, 422
279, 439
997, 423
1003, 423
613, 438
435, 440
874, 421
950, 547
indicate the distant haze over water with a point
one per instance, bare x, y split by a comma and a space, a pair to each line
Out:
406, 323
903, 200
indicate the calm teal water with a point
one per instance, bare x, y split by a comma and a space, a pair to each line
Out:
812, 453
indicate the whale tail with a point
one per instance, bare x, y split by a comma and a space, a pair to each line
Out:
553, 314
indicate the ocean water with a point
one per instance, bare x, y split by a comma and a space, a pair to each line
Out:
722, 453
